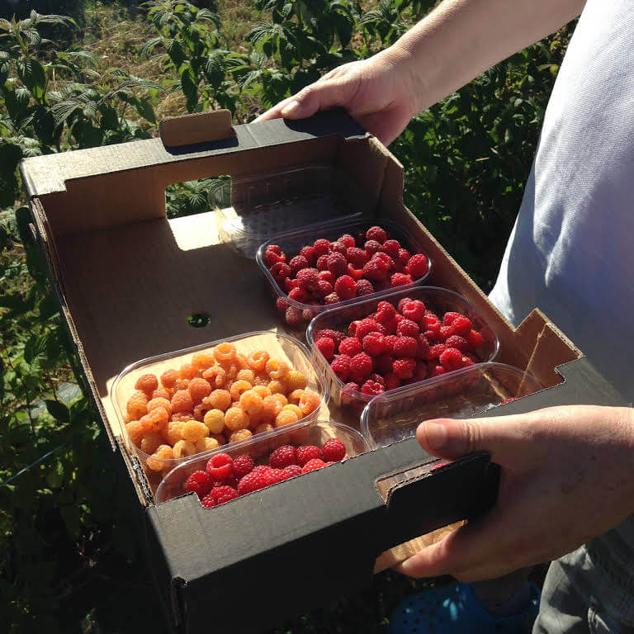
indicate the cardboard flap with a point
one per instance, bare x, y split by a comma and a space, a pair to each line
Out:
202, 127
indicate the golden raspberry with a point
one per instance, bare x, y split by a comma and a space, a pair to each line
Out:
216, 375
262, 379
262, 390
150, 442
276, 368
251, 403
263, 428
232, 372
276, 387
181, 384
182, 417
295, 380
219, 399
309, 402
240, 435
187, 371
160, 402
137, 405
174, 431
238, 388
225, 353
241, 361
246, 375
182, 402
257, 360
198, 389
194, 430
199, 411
161, 459
162, 392
203, 359
295, 395
168, 378
293, 408
215, 421
183, 449
236, 418
271, 407
135, 431
207, 444
286, 417
147, 383
155, 420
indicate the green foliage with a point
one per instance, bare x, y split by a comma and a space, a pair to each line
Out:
466, 160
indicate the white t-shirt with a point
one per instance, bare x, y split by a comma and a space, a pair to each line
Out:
571, 252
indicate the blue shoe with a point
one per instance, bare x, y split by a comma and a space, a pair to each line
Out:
454, 609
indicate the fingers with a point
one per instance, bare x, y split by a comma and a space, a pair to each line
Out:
275, 112
500, 436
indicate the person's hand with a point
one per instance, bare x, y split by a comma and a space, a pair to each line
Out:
567, 476
379, 93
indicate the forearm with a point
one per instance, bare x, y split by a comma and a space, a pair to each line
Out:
462, 38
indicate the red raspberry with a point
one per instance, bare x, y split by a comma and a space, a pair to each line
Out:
298, 295
420, 373
355, 274
334, 450
462, 325
347, 240
431, 322
280, 271
293, 317
220, 467
407, 328
222, 494
364, 287
466, 361
377, 378
392, 381
298, 263
436, 350
418, 265
391, 247
357, 257
445, 332
383, 364
304, 453
333, 298
199, 483
402, 302
345, 287
283, 457
401, 279
451, 359
272, 257
327, 276
384, 257
389, 342
308, 279
414, 310
341, 367
257, 479
371, 247
376, 233
327, 347
372, 388
350, 346
386, 310
242, 465
366, 326
348, 391
405, 347
352, 328
403, 257
324, 288
437, 370
313, 465
404, 368
475, 339
322, 263
456, 341
449, 317
337, 264
321, 246
291, 471
423, 347
339, 247
281, 304
308, 252
374, 344
360, 366
208, 501
275, 248
336, 335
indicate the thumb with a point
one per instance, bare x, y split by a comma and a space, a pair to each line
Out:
321, 95
448, 438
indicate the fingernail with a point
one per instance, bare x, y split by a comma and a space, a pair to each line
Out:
435, 435
290, 108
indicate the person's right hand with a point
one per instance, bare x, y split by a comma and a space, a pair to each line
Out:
379, 93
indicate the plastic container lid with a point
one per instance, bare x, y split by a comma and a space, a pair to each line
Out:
465, 393
439, 300
292, 241
278, 346
260, 447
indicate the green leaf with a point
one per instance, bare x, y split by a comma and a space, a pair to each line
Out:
33, 76
58, 410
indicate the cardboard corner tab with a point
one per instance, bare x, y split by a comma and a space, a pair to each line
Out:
202, 127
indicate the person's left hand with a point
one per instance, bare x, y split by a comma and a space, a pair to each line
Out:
567, 476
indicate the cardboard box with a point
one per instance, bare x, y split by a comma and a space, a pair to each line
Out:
127, 279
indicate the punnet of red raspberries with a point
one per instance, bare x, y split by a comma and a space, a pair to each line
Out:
399, 344
225, 478
326, 272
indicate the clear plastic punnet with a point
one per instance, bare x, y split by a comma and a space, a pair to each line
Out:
278, 346
440, 300
465, 393
291, 243
260, 447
